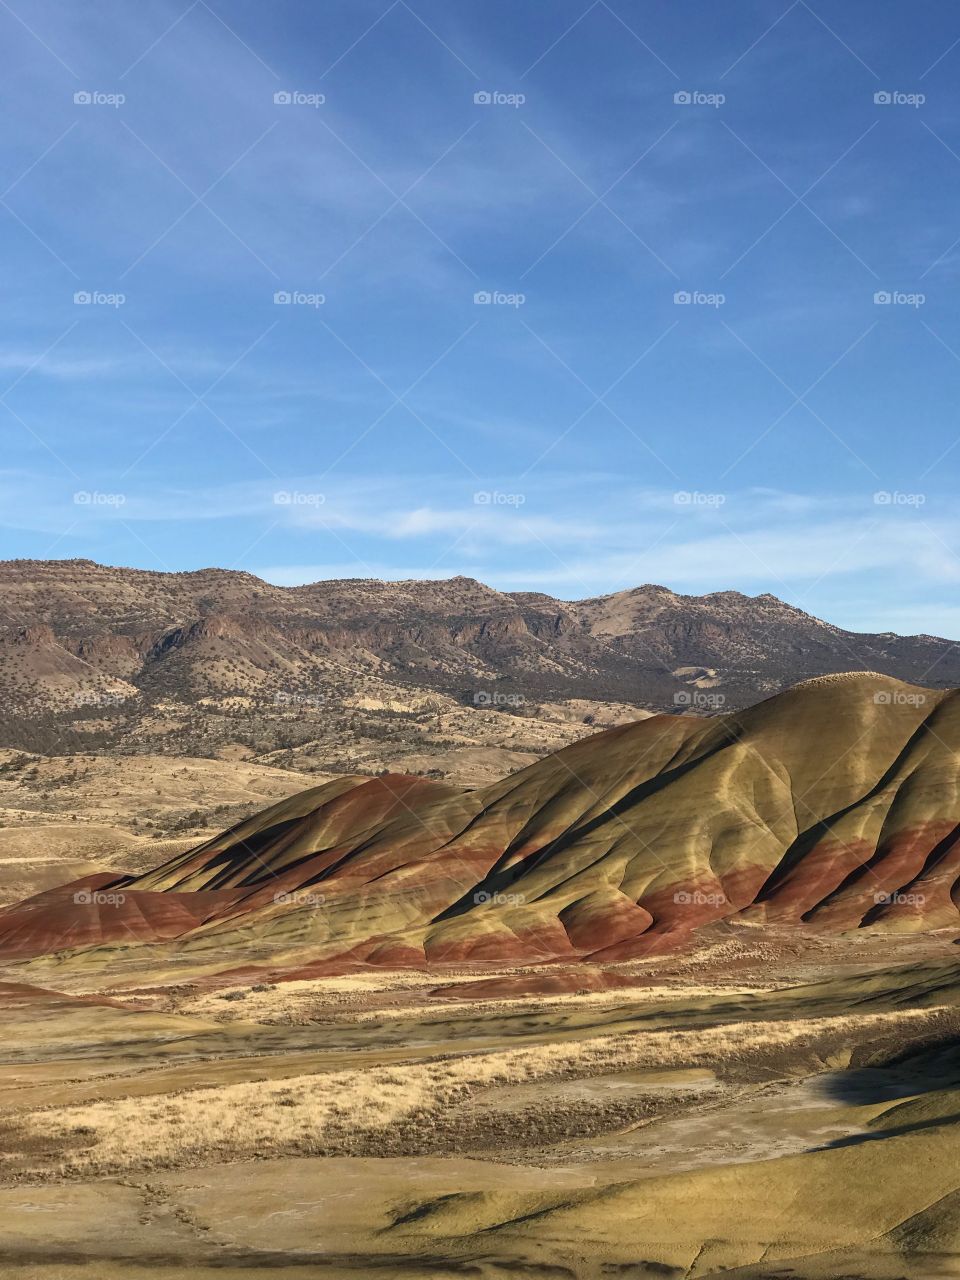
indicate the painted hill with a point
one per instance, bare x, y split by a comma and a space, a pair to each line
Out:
833, 806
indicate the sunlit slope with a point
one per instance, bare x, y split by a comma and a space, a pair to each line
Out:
834, 805
884, 1204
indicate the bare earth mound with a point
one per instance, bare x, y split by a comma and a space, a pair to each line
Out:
829, 808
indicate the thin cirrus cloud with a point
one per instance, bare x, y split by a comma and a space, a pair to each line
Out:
685, 537
59, 367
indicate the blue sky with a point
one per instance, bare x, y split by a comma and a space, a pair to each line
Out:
583, 431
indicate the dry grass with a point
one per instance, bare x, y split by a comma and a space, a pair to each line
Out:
342, 1110
63, 817
301, 999
541, 1004
304, 1000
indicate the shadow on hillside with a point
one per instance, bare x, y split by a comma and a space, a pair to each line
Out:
895, 1131
506, 873
931, 1070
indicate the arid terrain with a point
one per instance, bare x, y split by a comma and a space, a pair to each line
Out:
679, 1000
770, 1107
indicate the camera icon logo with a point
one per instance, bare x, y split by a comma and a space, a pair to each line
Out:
683, 98
83, 98
883, 98
483, 98
283, 98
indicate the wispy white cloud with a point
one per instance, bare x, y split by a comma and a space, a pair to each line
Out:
61, 367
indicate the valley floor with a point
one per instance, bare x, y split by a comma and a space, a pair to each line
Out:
760, 1108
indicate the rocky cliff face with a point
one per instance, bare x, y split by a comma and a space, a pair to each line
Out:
72, 629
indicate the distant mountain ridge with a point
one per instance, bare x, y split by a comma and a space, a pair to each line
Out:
79, 636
